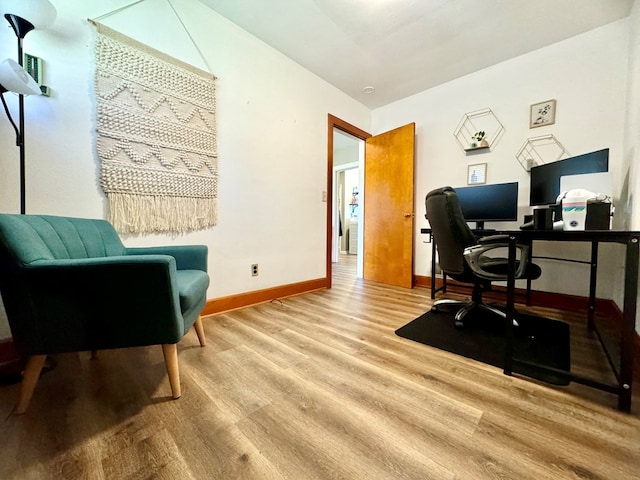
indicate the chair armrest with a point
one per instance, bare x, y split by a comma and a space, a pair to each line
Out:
478, 261
188, 257
92, 262
117, 279
502, 238
106, 302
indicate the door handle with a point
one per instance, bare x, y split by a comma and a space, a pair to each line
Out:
408, 215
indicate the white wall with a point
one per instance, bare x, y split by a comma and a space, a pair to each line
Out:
587, 75
272, 138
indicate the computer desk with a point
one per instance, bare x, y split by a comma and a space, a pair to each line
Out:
621, 364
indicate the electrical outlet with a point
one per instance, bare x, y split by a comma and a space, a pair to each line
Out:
254, 270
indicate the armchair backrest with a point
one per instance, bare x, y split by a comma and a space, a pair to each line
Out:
450, 231
29, 238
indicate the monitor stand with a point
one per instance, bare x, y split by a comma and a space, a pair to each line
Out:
479, 225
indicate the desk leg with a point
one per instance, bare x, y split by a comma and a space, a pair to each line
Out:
433, 268
593, 277
629, 322
435, 289
530, 260
511, 283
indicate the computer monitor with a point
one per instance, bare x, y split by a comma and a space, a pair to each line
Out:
489, 203
545, 179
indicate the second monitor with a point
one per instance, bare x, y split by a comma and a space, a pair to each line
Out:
496, 202
545, 179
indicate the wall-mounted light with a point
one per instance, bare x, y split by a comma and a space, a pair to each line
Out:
23, 16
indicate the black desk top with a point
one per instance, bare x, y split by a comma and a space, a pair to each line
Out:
485, 230
616, 236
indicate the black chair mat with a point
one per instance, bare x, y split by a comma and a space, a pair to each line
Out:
536, 339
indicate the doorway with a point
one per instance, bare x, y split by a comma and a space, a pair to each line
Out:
348, 200
387, 173
339, 132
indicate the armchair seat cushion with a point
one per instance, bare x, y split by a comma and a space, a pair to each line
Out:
192, 287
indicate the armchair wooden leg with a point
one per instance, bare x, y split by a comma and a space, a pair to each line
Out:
29, 380
200, 331
170, 352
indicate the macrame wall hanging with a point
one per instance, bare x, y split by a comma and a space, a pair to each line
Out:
156, 138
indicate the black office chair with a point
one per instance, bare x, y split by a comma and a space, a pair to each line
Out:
463, 256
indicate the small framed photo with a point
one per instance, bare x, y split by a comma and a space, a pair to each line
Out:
542, 114
477, 174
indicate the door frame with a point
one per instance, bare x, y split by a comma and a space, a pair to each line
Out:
335, 122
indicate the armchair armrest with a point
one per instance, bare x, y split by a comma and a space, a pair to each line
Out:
480, 263
188, 257
82, 304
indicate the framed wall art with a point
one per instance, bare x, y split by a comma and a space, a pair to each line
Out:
477, 174
542, 114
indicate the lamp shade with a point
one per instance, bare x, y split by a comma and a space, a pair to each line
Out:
40, 13
14, 78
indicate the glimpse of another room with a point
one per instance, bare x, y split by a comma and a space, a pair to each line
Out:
349, 211
347, 153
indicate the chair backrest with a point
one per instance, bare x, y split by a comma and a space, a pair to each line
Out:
36, 305
29, 238
450, 231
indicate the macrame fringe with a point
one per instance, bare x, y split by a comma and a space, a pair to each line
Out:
157, 214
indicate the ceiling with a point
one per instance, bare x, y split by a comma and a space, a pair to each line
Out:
402, 47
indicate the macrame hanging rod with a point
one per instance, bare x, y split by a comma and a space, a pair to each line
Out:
121, 9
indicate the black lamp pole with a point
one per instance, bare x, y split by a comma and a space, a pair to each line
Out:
20, 142
21, 27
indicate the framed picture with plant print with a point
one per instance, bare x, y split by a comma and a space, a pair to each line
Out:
477, 174
542, 114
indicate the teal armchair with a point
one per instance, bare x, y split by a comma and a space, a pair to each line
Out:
69, 285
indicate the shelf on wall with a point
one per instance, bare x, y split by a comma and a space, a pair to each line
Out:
540, 150
480, 120
473, 149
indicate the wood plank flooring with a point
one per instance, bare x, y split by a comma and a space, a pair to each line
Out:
317, 387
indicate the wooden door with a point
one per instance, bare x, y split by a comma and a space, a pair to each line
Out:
388, 207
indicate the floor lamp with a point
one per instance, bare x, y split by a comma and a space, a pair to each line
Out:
14, 78
23, 16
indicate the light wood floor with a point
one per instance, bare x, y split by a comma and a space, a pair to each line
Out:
316, 387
